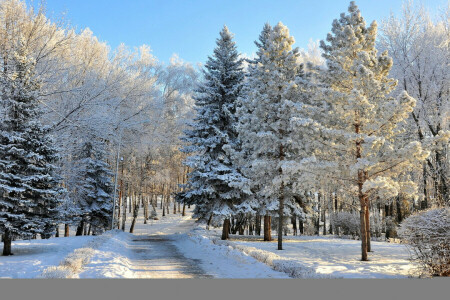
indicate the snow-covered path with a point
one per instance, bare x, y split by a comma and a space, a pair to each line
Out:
166, 248
156, 257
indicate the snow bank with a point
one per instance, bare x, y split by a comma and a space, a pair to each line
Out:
73, 263
281, 264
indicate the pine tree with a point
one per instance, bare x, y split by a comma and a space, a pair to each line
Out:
29, 188
354, 123
94, 199
214, 184
264, 112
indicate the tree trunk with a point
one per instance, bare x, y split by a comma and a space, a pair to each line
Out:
399, 210
57, 231
89, 230
164, 211
145, 210
135, 215
7, 243
281, 202
184, 209
66, 230
267, 229
174, 207
226, 229
258, 224
294, 224
300, 225
209, 221
80, 228
367, 225
85, 230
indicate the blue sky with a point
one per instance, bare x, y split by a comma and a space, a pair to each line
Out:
190, 27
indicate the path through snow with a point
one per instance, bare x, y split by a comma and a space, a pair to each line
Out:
166, 249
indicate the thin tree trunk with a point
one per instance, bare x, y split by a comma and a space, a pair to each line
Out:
209, 221
281, 202
258, 224
294, 225
80, 229
367, 224
184, 209
226, 229
267, 229
7, 243
66, 230
57, 231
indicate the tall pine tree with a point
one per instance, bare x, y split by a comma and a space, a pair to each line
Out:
94, 193
215, 184
353, 126
265, 111
29, 189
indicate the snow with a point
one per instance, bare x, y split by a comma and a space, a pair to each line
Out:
332, 256
171, 248
177, 247
32, 257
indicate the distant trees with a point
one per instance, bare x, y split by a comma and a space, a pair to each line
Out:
419, 47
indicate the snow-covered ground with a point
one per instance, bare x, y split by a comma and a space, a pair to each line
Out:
32, 257
332, 256
177, 247
169, 248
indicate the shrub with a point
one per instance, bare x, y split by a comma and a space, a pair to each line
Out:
428, 236
348, 222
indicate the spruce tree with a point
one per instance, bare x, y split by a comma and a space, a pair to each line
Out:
215, 184
265, 111
29, 188
95, 188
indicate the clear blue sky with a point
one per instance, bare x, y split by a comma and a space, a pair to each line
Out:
190, 27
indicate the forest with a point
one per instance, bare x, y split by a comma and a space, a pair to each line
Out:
348, 138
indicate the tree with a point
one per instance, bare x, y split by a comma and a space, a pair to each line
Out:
214, 183
269, 103
29, 186
420, 49
354, 124
95, 189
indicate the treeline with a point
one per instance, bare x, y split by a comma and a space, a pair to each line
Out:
358, 138
72, 111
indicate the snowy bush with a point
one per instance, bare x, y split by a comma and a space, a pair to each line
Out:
348, 222
428, 236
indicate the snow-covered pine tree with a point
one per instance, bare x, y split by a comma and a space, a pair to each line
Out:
354, 123
29, 188
244, 113
269, 103
94, 194
215, 184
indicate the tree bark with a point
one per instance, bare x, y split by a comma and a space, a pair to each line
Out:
367, 225
184, 209
267, 229
226, 229
294, 225
7, 243
258, 224
57, 231
66, 230
80, 229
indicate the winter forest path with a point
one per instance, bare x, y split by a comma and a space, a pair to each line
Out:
147, 253
156, 257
